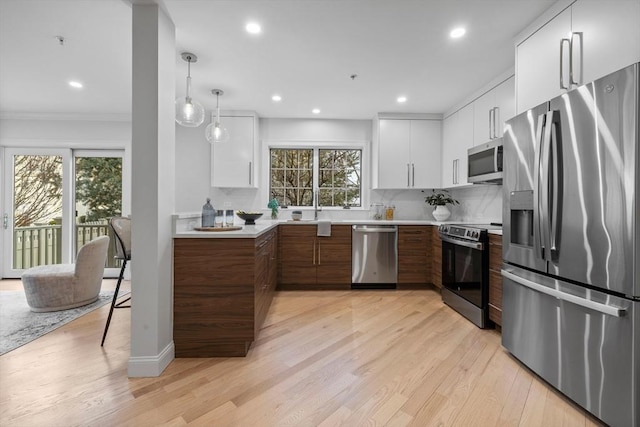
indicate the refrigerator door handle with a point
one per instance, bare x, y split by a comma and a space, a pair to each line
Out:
541, 188
562, 42
556, 186
592, 305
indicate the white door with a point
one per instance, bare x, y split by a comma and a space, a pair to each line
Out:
232, 163
39, 216
425, 153
506, 103
611, 37
538, 63
394, 160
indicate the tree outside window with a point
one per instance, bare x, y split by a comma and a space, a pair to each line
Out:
296, 172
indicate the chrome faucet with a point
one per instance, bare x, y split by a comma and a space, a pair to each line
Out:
316, 208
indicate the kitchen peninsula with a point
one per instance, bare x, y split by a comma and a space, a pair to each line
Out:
224, 282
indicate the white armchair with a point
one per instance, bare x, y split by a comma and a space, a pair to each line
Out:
64, 286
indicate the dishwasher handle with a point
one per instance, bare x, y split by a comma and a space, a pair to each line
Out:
357, 229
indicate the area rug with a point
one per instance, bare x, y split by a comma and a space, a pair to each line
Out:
19, 325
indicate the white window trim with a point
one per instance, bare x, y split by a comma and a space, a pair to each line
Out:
323, 144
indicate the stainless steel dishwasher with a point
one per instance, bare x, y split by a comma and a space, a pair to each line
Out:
374, 258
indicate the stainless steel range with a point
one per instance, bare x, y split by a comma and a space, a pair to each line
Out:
465, 270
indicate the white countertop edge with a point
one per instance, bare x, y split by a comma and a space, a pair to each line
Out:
264, 225
247, 232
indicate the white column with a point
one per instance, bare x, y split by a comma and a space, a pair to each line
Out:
152, 195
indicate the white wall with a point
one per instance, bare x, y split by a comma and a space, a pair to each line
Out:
22, 130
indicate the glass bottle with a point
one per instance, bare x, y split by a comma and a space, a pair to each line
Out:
208, 214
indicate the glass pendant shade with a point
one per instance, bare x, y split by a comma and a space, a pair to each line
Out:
189, 112
215, 132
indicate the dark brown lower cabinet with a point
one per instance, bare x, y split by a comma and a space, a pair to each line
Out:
308, 261
495, 279
436, 258
222, 292
414, 256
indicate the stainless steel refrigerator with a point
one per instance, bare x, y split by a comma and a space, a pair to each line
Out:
571, 244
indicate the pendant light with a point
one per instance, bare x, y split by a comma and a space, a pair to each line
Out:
189, 112
214, 131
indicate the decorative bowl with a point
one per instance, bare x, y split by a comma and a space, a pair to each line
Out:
249, 217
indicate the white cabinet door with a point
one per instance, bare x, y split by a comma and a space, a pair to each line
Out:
611, 37
449, 136
232, 162
457, 139
463, 143
483, 118
394, 164
425, 153
538, 63
506, 104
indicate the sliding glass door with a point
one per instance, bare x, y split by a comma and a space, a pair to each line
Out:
55, 201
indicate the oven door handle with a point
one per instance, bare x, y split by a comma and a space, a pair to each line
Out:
472, 245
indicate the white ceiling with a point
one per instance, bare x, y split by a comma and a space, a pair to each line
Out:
307, 52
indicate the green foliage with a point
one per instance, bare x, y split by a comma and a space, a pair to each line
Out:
99, 186
441, 198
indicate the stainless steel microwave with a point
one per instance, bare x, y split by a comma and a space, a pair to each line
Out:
485, 163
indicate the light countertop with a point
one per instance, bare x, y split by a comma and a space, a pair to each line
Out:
184, 224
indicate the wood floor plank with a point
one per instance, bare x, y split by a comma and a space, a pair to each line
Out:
328, 358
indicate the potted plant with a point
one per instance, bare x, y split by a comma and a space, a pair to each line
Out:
440, 199
273, 205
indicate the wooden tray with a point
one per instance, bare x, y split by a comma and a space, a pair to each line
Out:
234, 228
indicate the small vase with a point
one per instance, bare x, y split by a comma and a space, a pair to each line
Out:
274, 214
441, 213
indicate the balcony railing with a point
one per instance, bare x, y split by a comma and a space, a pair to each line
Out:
42, 244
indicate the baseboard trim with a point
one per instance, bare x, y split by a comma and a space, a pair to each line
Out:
151, 366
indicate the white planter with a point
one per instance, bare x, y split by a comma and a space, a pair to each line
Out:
441, 213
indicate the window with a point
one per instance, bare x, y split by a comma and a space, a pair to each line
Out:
295, 172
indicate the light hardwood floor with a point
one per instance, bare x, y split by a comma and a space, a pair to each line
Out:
323, 358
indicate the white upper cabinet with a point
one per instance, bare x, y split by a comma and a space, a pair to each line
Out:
538, 61
233, 162
457, 139
505, 100
586, 41
611, 36
425, 153
408, 153
491, 110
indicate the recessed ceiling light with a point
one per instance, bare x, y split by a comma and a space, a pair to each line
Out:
457, 32
75, 84
253, 28
316, 111
401, 99
276, 98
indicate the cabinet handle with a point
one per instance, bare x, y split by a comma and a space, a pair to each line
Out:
319, 261
490, 123
562, 42
250, 183
408, 176
455, 171
413, 175
314, 251
572, 80
496, 120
